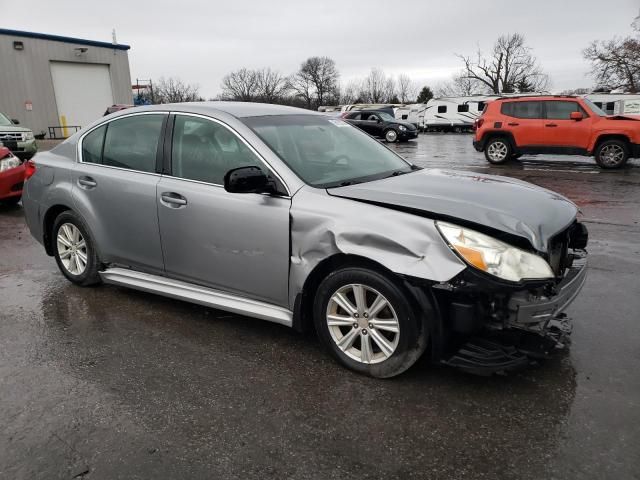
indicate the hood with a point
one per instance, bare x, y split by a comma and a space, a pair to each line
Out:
489, 202
632, 118
13, 128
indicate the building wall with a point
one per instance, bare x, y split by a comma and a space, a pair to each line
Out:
25, 75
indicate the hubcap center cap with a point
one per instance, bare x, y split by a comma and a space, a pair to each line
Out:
363, 322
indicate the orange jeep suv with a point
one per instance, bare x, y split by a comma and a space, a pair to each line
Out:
512, 126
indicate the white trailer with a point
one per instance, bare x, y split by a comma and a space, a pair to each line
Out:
616, 103
453, 114
411, 113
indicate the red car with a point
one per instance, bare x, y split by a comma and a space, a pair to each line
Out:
512, 126
12, 174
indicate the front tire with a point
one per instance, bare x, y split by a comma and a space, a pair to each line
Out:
391, 136
612, 154
74, 250
498, 150
365, 320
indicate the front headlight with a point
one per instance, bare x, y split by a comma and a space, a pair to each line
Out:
402, 128
493, 256
9, 163
28, 135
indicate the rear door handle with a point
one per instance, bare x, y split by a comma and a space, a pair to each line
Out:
87, 182
513, 124
173, 200
551, 125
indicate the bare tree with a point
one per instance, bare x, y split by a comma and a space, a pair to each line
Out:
461, 85
302, 85
616, 63
174, 90
375, 86
271, 86
509, 65
241, 85
407, 89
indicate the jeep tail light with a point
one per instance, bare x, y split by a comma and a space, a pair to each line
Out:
29, 169
478, 123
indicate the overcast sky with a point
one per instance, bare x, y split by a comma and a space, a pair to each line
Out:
200, 42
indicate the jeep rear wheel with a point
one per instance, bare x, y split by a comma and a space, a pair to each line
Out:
498, 150
612, 154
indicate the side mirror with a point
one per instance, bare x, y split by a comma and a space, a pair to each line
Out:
247, 180
15, 121
577, 116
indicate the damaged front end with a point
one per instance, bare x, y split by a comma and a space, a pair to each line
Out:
491, 326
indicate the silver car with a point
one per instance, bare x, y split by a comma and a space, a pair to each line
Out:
299, 218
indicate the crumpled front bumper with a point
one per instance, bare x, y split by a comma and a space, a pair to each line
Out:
534, 312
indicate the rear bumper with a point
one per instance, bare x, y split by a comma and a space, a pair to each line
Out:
478, 145
12, 182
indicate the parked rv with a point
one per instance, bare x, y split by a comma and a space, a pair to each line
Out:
413, 113
616, 103
453, 114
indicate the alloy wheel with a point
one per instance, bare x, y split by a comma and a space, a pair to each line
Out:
612, 155
72, 249
363, 323
497, 151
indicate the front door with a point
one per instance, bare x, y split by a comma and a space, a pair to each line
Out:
372, 124
114, 188
524, 120
234, 242
562, 132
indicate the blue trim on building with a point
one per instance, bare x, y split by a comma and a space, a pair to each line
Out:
58, 38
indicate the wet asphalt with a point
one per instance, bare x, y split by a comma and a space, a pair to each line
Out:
107, 383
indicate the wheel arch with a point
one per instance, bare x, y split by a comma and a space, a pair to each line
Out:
47, 225
418, 294
603, 137
499, 134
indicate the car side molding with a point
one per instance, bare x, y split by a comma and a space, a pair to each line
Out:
208, 297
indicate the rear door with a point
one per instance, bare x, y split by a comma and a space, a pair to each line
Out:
233, 242
114, 188
560, 130
524, 120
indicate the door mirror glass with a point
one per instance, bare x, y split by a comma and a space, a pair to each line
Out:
576, 116
247, 180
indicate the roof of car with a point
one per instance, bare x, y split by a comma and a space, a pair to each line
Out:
533, 97
237, 109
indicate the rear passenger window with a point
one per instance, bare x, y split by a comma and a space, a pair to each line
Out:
561, 110
92, 145
522, 109
463, 108
442, 109
205, 151
132, 142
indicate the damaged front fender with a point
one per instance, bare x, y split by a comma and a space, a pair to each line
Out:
323, 226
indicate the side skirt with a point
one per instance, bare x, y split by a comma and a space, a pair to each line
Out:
189, 292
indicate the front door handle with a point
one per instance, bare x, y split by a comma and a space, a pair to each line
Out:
87, 182
551, 125
513, 124
173, 200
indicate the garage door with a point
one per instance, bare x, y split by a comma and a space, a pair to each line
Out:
83, 92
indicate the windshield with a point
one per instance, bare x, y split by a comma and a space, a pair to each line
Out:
327, 152
594, 108
4, 121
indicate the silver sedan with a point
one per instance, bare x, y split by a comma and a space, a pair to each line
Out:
299, 218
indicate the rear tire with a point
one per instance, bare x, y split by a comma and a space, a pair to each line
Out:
612, 154
74, 250
498, 150
383, 344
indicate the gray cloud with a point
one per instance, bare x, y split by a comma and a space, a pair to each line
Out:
202, 41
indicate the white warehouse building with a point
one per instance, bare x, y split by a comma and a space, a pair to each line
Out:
56, 85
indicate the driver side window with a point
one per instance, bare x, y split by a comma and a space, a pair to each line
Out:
205, 151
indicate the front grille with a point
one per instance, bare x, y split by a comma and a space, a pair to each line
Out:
11, 136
